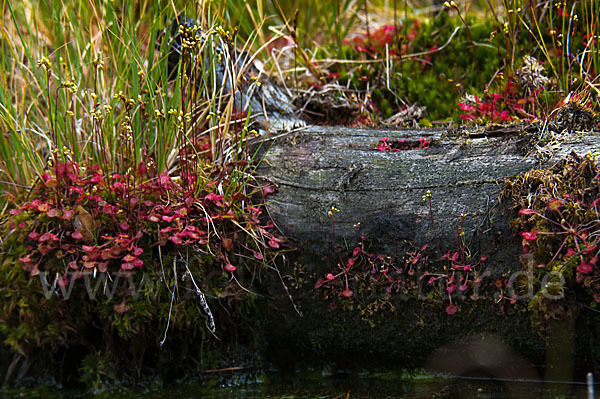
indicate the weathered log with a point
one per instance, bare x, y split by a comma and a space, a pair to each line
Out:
317, 168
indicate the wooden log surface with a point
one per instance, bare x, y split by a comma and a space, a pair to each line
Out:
317, 168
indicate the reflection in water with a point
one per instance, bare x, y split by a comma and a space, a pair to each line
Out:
384, 388
482, 368
486, 357
380, 386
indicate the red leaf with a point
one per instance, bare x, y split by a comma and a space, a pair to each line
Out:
126, 266
53, 213
527, 212
529, 235
25, 259
227, 244
164, 179
122, 307
213, 197
554, 205
68, 214
268, 189
585, 267
34, 235
63, 281
176, 240
48, 237
319, 283
451, 309
88, 264
230, 268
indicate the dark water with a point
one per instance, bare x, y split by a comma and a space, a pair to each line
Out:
355, 387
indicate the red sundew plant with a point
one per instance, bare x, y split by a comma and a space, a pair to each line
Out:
364, 274
500, 108
578, 241
374, 43
82, 220
141, 184
461, 271
364, 271
560, 229
386, 145
360, 271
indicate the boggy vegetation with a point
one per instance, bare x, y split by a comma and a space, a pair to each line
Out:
133, 230
131, 220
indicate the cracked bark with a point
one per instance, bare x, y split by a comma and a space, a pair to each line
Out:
381, 193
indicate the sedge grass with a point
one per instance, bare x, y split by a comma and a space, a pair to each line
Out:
74, 75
